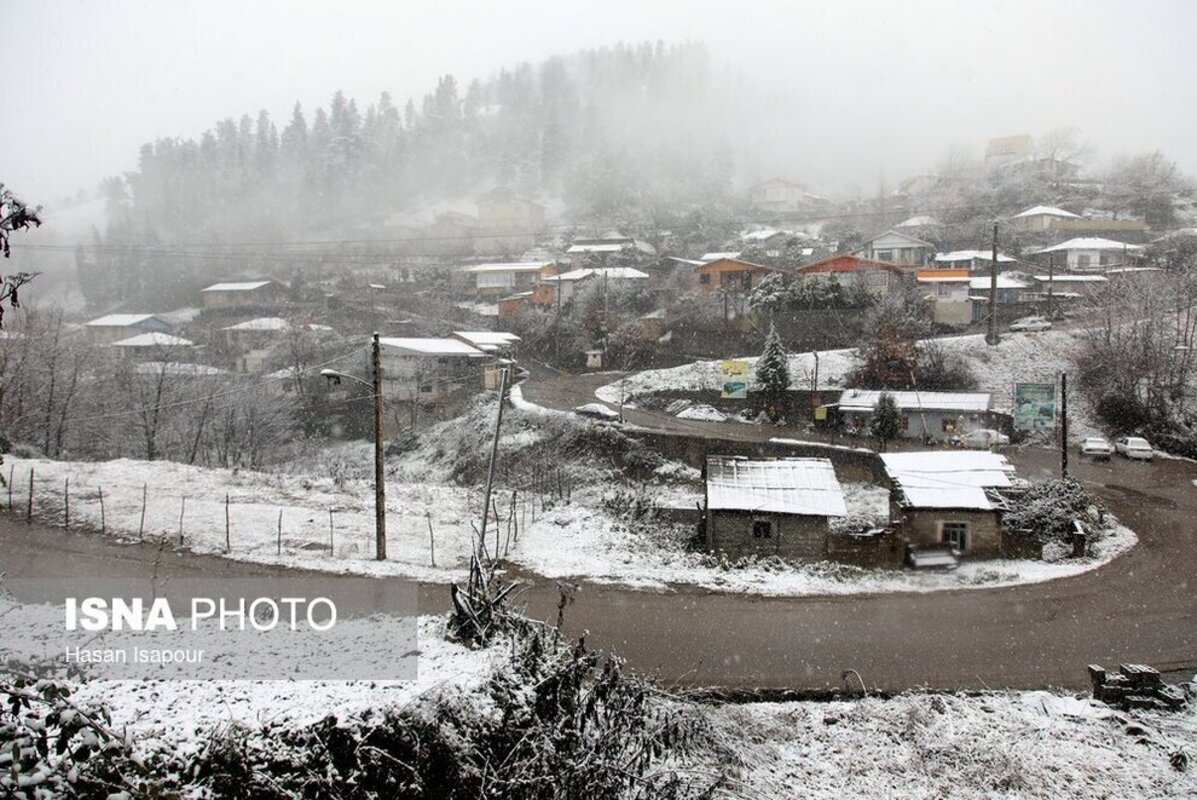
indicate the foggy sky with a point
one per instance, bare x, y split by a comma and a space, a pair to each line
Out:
870, 88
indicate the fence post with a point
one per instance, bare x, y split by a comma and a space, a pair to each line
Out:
431, 539
280, 532
103, 516
29, 506
11, 472
141, 525
228, 548
182, 511
331, 539
66, 505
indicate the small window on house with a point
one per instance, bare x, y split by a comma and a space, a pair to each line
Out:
903, 422
762, 529
955, 534
704, 277
885, 255
877, 278
1083, 261
943, 290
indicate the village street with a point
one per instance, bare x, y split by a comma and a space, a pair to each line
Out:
1139, 608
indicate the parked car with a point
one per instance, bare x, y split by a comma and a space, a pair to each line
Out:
1134, 447
597, 411
1097, 448
1030, 324
984, 437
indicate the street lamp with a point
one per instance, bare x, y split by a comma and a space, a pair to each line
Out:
380, 500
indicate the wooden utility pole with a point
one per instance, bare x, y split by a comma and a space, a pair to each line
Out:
992, 337
380, 494
494, 454
1064, 425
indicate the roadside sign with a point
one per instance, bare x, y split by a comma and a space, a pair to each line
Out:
1034, 406
734, 385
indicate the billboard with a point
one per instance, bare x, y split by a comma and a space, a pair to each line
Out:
734, 383
1034, 406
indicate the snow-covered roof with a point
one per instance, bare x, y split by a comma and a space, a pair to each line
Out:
514, 266
709, 257
760, 236
614, 273
594, 248
971, 255
1050, 211
180, 369
866, 400
119, 320
261, 324
1003, 282
239, 286
1091, 243
784, 486
1071, 278
921, 221
154, 339
430, 347
1132, 270
952, 479
492, 338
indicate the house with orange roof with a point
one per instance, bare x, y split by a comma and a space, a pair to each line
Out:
878, 277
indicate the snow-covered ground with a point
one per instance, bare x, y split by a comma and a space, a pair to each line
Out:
1016, 745
1024, 357
580, 539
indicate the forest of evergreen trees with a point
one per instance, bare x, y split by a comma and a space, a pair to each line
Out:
617, 131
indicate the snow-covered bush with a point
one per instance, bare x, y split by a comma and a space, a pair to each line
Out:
1047, 510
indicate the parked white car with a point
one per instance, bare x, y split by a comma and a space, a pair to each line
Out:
1134, 447
1097, 448
1030, 324
597, 411
984, 437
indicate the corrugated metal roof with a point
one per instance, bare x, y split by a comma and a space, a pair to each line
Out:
784, 486
866, 400
430, 347
940, 479
243, 286
154, 339
119, 320
517, 266
476, 338
1091, 243
261, 324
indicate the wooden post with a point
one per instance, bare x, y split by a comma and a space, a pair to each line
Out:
494, 454
331, 539
431, 539
494, 506
380, 500
141, 526
29, 505
991, 338
66, 505
1064, 425
11, 471
227, 537
182, 511
280, 532
103, 516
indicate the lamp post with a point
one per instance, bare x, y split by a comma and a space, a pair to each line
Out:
380, 499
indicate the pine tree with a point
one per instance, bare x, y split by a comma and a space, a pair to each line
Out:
886, 422
773, 374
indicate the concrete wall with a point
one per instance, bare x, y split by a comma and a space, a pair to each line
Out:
794, 537
924, 527
882, 550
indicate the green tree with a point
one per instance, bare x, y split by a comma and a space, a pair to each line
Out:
886, 422
773, 374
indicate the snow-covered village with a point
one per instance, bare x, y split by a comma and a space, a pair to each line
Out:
616, 401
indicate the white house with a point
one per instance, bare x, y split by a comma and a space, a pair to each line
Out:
114, 327
489, 341
948, 292
426, 368
898, 248
1090, 254
971, 259
1041, 218
567, 283
145, 345
243, 295
929, 416
501, 279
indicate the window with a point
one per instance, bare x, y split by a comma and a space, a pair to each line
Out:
762, 529
1082, 261
955, 534
877, 278
943, 290
704, 278
885, 255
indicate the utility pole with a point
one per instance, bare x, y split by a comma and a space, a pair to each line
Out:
1051, 278
494, 454
992, 338
1064, 425
380, 492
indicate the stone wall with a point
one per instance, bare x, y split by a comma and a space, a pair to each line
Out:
794, 537
923, 527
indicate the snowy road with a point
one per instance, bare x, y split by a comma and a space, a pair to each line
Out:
1139, 608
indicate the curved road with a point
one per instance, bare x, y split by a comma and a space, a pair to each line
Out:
1140, 608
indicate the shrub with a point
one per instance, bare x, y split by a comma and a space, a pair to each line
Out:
1047, 510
